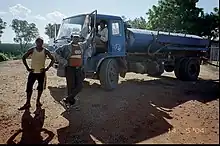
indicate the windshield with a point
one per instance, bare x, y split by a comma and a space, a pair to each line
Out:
70, 26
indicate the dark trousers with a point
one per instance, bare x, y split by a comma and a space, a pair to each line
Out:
74, 79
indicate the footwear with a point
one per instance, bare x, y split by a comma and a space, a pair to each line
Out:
68, 104
68, 101
24, 107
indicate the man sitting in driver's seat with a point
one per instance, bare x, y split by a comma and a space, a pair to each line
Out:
102, 36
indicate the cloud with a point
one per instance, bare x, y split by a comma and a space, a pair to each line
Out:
2, 13
39, 17
19, 11
55, 16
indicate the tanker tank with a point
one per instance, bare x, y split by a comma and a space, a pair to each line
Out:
140, 41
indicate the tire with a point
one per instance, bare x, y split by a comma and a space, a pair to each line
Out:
151, 71
157, 74
179, 68
192, 69
109, 74
169, 68
187, 69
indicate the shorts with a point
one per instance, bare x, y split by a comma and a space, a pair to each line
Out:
32, 77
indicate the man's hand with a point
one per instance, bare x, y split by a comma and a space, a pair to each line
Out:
30, 70
25, 56
98, 35
42, 70
93, 30
51, 58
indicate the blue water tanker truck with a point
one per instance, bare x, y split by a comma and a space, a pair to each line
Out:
131, 50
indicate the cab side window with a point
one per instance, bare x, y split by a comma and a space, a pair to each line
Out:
116, 28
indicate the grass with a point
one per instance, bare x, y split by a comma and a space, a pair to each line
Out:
3, 57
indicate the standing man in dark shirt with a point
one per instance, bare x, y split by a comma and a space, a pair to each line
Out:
70, 57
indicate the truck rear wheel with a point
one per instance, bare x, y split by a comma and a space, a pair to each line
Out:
109, 74
187, 69
192, 69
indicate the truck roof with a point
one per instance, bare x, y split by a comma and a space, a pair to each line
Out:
99, 16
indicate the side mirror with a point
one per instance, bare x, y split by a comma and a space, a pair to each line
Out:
54, 40
51, 41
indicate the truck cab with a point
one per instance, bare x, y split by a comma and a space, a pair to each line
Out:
107, 64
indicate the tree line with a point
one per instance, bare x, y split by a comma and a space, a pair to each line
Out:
26, 32
180, 16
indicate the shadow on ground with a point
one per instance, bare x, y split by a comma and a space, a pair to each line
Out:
32, 128
136, 111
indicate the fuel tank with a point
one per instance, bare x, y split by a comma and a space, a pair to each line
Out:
138, 40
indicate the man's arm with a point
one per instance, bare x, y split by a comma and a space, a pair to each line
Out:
25, 56
98, 33
51, 58
105, 37
59, 54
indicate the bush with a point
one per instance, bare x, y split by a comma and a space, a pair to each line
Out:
13, 51
13, 48
3, 57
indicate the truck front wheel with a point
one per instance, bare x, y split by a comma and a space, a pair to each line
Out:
109, 74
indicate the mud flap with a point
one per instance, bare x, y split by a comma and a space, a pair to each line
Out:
122, 66
61, 71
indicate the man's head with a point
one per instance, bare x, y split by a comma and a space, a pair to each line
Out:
102, 24
75, 39
39, 42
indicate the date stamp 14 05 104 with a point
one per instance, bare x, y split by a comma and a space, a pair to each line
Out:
187, 130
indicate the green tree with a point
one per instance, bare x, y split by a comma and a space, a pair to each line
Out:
174, 16
50, 30
139, 23
25, 32
2, 26
209, 24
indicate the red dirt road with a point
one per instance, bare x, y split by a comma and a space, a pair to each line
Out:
141, 110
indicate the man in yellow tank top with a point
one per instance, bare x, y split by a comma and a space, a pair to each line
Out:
37, 70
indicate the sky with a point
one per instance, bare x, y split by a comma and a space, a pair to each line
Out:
42, 12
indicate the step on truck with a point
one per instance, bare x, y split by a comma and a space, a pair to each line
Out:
131, 50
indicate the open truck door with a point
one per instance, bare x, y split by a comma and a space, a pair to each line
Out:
88, 29
88, 33
92, 17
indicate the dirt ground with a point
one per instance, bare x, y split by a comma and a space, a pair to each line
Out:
141, 110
